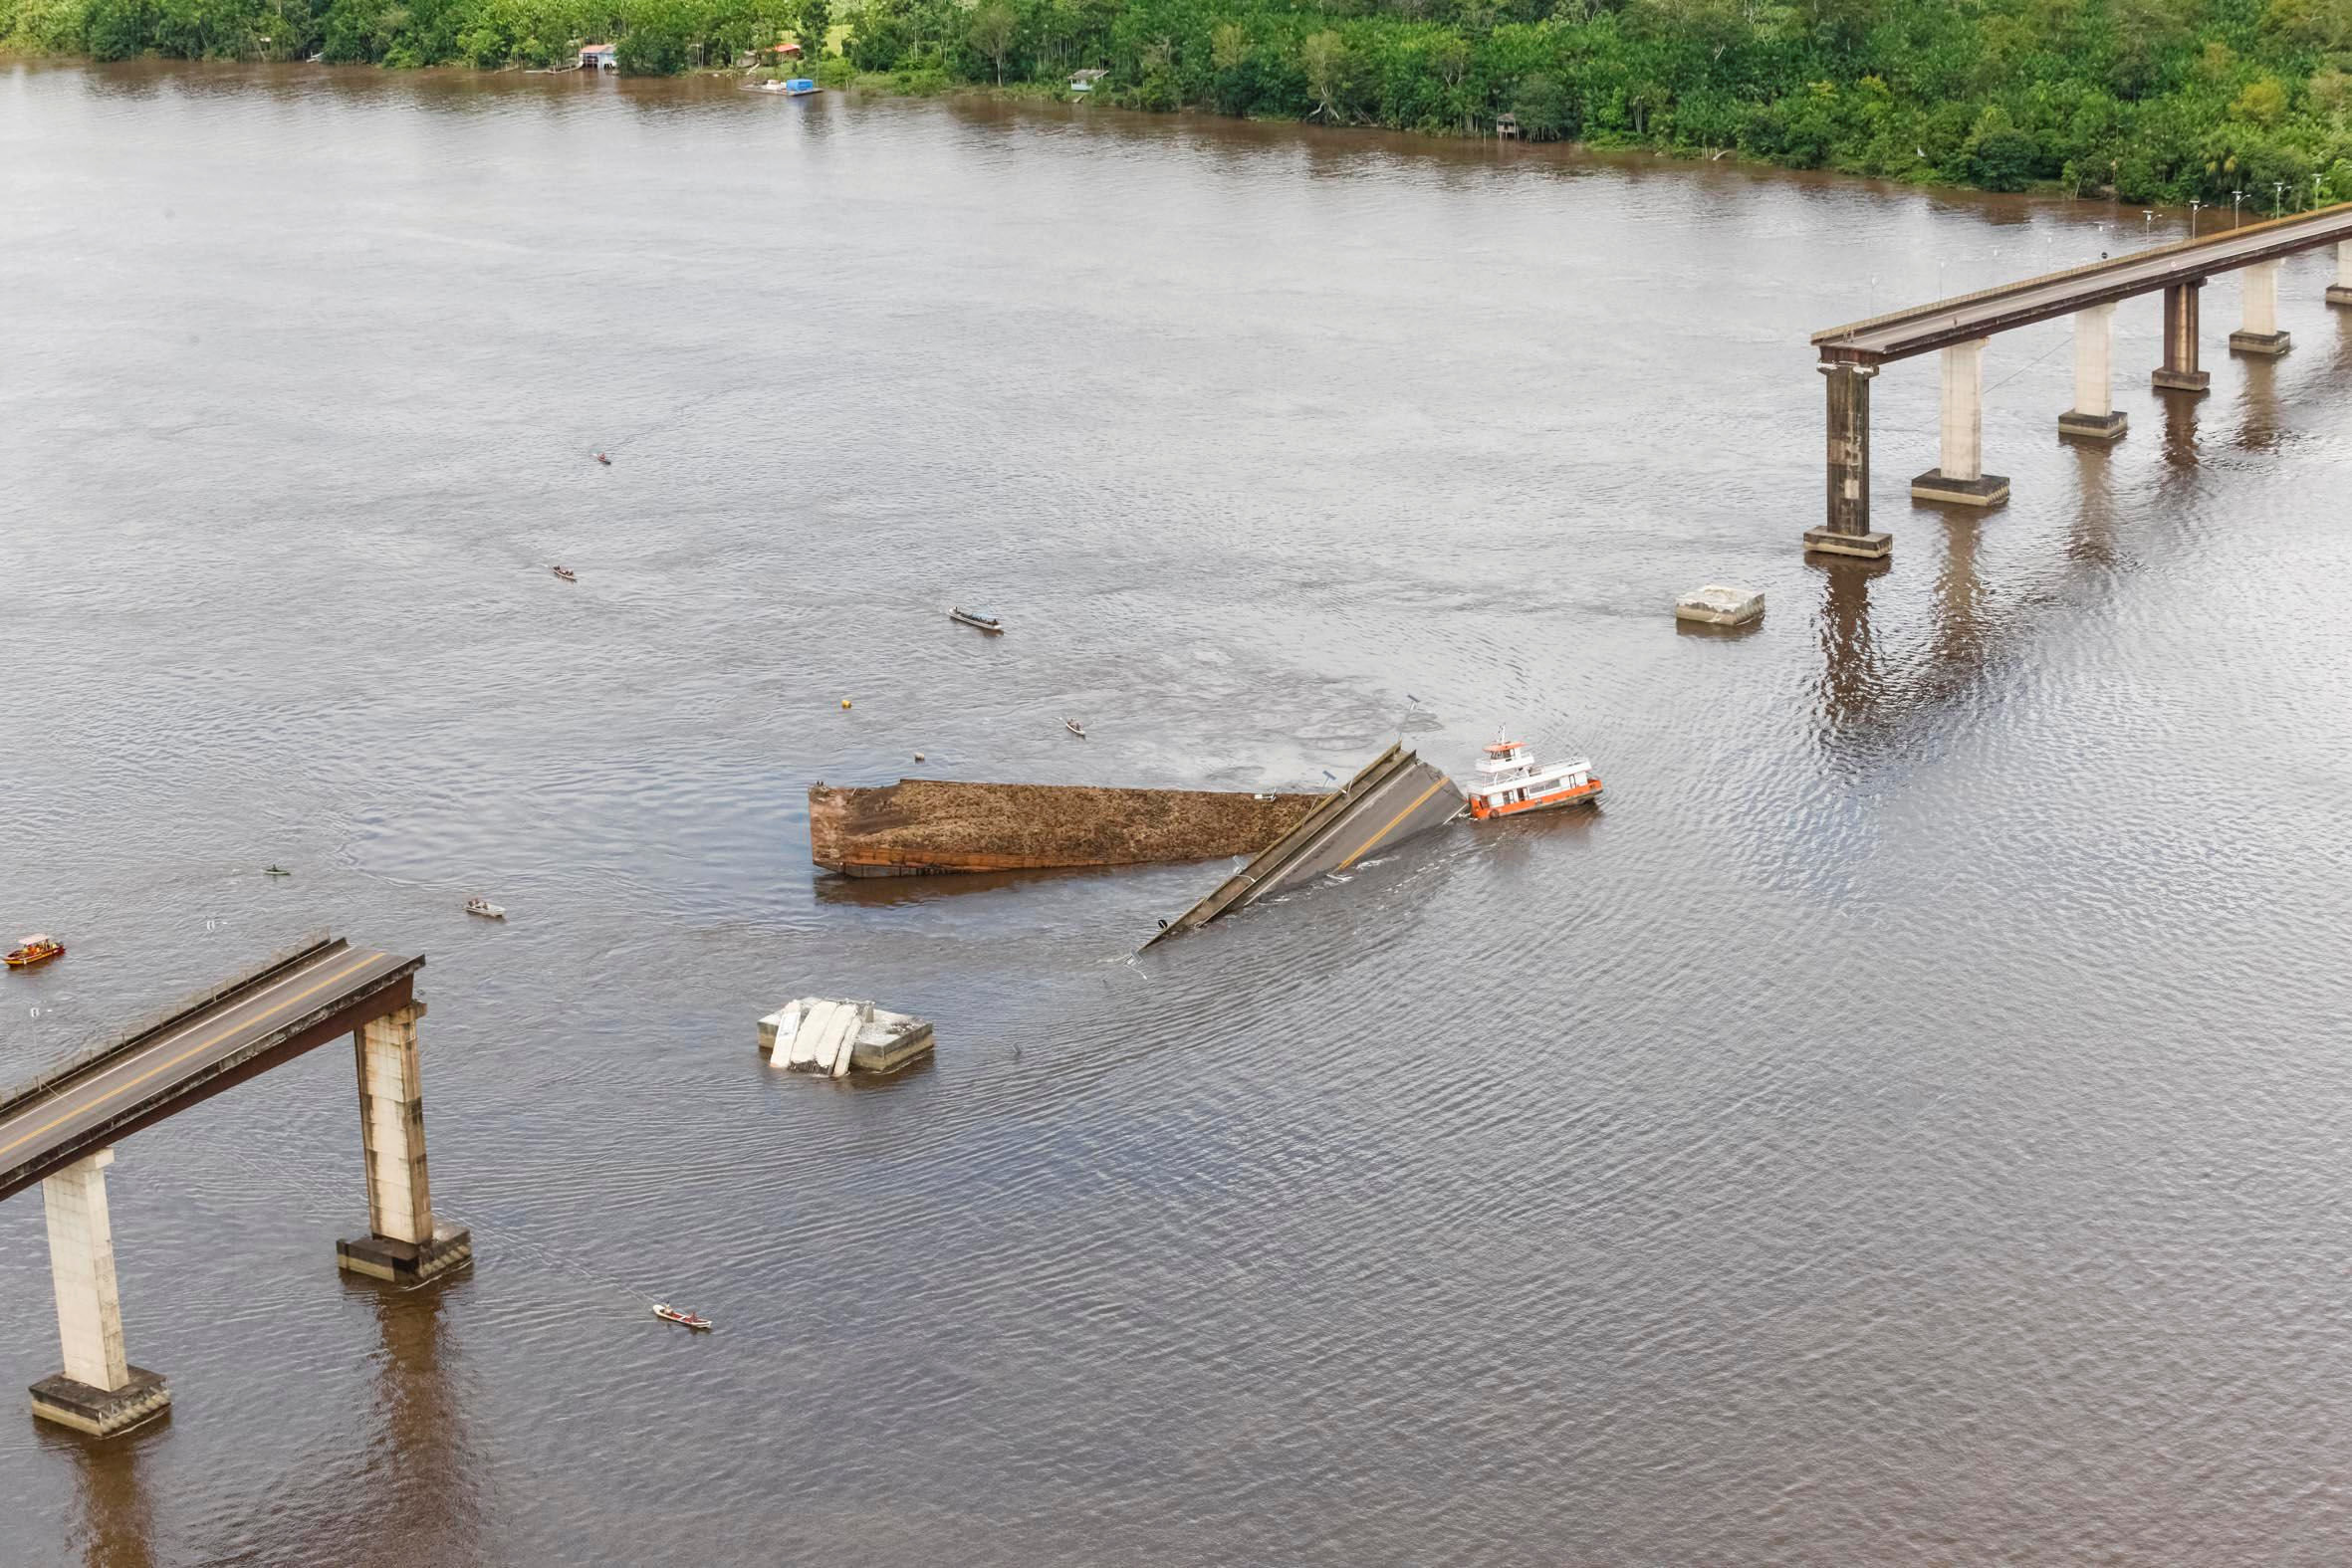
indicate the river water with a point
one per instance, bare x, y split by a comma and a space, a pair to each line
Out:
1906, 1124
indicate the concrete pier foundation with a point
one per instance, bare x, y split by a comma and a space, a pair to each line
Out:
2179, 371
1848, 529
2339, 292
2259, 333
1960, 477
2093, 416
404, 1244
100, 1392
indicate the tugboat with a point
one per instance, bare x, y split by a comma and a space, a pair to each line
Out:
39, 948
988, 623
1509, 782
671, 1315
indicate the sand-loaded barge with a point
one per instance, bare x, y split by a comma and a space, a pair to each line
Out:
923, 826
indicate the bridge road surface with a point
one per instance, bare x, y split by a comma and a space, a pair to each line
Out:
324, 993
1964, 320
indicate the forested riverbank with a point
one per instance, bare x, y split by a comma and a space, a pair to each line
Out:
2154, 100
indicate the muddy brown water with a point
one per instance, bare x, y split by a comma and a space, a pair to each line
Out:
1907, 1123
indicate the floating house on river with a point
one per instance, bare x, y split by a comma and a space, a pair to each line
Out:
599, 56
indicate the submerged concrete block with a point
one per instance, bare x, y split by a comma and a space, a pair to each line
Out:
102, 1413
1833, 542
2268, 345
407, 1262
1986, 489
1720, 606
2078, 426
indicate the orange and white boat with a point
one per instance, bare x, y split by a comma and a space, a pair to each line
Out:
34, 950
1509, 781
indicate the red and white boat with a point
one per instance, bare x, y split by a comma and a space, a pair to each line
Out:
671, 1315
1511, 781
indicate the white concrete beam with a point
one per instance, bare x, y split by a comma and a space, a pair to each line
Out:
81, 1271
1963, 412
2094, 356
391, 1128
2259, 293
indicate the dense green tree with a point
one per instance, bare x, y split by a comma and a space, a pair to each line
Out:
2144, 99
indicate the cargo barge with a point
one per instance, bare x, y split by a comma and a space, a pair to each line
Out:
934, 826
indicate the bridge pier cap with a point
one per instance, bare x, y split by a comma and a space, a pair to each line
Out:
2094, 416
403, 1244
1846, 529
1958, 479
2257, 331
100, 1392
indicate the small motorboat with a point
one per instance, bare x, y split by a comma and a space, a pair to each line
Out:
671, 1315
1509, 782
796, 87
274, 869
486, 909
601, 458
567, 574
988, 623
1075, 727
38, 947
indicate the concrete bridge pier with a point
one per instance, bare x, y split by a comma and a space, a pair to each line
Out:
2339, 292
2258, 333
1847, 530
1960, 479
100, 1392
404, 1244
2178, 372
2094, 416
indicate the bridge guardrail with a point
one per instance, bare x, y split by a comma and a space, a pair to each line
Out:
162, 1019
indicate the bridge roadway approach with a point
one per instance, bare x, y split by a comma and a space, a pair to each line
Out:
59, 1132
1959, 328
268, 1016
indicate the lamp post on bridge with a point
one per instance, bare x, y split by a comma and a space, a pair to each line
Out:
2279, 190
2235, 197
2147, 225
2194, 208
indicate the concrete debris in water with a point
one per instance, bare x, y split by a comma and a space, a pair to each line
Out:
814, 1035
1719, 605
1396, 797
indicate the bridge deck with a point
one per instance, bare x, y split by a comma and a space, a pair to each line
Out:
1966, 318
288, 1008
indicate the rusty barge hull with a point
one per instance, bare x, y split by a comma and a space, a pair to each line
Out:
938, 827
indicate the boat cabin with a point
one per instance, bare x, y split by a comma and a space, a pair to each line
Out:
1509, 781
